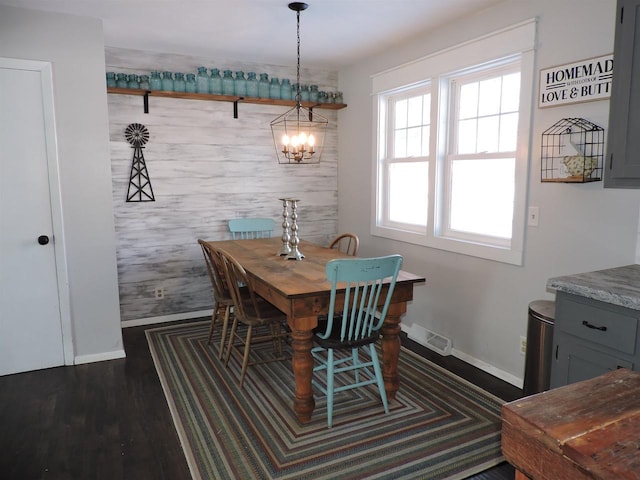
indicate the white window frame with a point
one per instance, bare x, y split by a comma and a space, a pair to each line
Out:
517, 41
387, 158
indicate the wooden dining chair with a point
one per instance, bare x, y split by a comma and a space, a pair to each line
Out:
255, 313
223, 303
249, 228
346, 243
354, 325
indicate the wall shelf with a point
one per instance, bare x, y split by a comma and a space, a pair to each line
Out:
218, 98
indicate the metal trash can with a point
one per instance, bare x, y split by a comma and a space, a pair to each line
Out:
537, 365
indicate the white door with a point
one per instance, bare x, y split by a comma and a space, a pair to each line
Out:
30, 316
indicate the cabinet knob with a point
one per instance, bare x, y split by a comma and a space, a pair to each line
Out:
43, 239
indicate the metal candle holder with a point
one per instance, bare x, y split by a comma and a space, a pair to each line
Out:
285, 249
295, 253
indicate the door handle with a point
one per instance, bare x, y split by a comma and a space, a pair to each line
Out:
43, 239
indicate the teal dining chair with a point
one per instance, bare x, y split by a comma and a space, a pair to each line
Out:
249, 228
354, 325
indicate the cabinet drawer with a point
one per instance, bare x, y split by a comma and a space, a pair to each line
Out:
610, 327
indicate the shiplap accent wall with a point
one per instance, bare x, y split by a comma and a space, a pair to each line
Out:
205, 168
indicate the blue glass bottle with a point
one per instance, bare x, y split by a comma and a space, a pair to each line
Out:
132, 81
304, 93
155, 82
144, 82
215, 82
274, 89
202, 81
285, 89
179, 85
111, 79
313, 93
263, 86
240, 84
121, 81
252, 85
190, 83
167, 81
227, 83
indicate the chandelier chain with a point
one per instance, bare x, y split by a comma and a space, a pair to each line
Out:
298, 67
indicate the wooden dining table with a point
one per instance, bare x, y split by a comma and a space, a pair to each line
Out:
299, 288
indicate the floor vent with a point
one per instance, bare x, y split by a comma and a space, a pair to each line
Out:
430, 339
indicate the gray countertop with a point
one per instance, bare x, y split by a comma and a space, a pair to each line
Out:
618, 286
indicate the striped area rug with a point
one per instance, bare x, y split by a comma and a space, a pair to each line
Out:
439, 426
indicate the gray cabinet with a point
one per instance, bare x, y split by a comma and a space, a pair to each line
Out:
592, 337
622, 163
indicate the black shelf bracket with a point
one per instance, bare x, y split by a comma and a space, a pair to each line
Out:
146, 101
235, 106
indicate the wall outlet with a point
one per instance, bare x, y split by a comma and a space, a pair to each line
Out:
159, 293
523, 345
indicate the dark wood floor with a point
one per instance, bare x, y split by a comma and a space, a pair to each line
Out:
110, 420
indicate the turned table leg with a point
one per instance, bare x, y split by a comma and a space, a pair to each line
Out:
303, 403
391, 348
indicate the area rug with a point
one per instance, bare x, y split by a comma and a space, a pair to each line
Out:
439, 426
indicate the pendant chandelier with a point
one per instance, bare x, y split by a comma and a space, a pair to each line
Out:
299, 133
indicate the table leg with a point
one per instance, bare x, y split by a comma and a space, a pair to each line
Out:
303, 403
391, 348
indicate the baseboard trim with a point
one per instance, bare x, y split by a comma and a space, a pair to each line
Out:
487, 367
166, 318
99, 357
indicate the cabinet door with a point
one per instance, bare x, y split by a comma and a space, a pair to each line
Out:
622, 164
574, 361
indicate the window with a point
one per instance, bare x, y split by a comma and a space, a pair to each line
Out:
452, 155
406, 160
481, 156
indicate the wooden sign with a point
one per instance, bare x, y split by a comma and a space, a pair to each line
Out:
581, 81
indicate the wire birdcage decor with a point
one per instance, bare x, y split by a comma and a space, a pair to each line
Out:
572, 152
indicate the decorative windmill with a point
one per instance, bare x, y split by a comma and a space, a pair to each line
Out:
140, 189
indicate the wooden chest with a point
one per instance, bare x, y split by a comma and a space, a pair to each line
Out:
586, 430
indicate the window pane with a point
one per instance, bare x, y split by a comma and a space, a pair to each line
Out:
488, 132
414, 142
468, 100
426, 138
415, 111
482, 195
508, 132
401, 114
408, 192
467, 136
400, 144
511, 92
489, 98
426, 109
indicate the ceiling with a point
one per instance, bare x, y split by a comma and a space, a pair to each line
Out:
334, 33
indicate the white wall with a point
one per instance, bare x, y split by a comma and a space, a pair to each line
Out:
482, 305
75, 47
